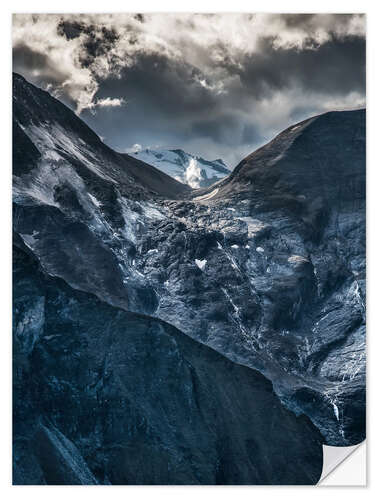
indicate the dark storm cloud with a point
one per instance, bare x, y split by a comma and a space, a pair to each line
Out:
27, 61
97, 42
308, 22
164, 99
338, 67
168, 97
140, 18
218, 85
168, 86
70, 29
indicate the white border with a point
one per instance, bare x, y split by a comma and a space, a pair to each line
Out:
347, 471
160, 492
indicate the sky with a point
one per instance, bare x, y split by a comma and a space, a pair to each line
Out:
215, 85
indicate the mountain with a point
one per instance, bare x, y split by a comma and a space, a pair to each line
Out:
122, 284
313, 163
293, 214
103, 396
57, 137
184, 167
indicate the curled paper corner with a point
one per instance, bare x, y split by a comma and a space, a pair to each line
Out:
344, 465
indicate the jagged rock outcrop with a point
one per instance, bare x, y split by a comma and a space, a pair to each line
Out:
267, 267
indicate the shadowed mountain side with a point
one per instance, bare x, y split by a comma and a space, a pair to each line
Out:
310, 168
71, 141
101, 395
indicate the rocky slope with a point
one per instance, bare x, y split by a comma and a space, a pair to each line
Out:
267, 267
305, 195
56, 136
103, 396
184, 167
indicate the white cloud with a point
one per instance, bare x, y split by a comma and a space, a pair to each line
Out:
136, 148
108, 102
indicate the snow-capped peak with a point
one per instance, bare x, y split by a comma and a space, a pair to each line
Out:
184, 167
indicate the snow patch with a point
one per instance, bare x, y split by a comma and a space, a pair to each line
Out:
201, 263
297, 259
336, 411
206, 196
94, 200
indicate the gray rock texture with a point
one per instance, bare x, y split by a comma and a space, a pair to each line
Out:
110, 397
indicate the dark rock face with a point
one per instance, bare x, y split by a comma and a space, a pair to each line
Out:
266, 267
110, 397
303, 198
49, 122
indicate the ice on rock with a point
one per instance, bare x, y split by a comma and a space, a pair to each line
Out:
50, 154
201, 263
297, 259
336, 411
94, 200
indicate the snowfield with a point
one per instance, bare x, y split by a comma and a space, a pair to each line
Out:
184, 167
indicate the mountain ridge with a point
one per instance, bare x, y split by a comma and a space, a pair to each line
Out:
273, 153
184, 167
39, 111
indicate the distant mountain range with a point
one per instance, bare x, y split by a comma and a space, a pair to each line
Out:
184, 167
